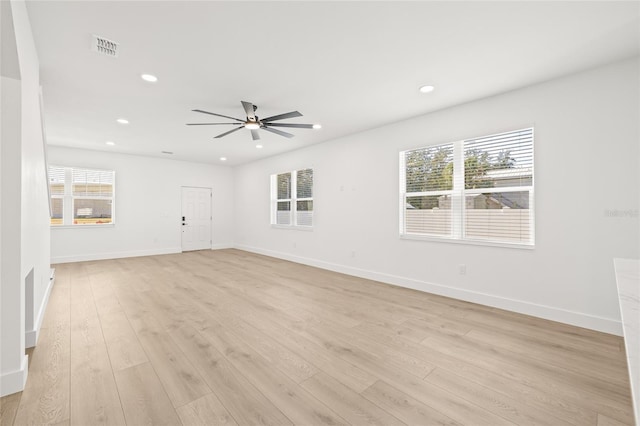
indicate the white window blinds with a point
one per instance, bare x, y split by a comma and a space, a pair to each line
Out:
428, 186
498, 194
81, 196
283, 204
97, 183
499, 160
292, 198
477, 189
304, 197
56, 180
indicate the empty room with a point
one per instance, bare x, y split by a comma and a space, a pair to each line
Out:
308, 213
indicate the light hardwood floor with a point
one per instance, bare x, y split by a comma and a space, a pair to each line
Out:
229, 337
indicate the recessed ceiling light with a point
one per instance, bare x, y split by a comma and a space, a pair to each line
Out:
259, 146
122, 121
223, 158
252, 126
317, 126
427, 89
150, 78
110, 143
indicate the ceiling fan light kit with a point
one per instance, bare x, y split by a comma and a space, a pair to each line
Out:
254, 123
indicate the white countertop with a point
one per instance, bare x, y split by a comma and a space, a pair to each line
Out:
628, 279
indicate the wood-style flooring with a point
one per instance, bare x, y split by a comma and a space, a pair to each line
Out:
232, 338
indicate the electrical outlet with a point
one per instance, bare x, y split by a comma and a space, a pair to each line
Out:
462, 269
353, 253
295, 245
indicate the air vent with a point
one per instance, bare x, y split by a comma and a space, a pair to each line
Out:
104, 46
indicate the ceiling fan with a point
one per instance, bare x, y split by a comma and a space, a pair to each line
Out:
253, 122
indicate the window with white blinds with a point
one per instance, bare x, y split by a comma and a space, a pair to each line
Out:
81, 196
478, 189
292, 198
283, 202
428, 187
304, 197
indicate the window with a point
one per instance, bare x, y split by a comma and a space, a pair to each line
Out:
478, 189
81, 196
292, 198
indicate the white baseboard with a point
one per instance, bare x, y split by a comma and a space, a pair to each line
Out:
31, 336
222, 246
14, 381
114, 255
123, 254
579, 319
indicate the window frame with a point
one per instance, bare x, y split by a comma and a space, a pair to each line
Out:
292, 200
69, 199
459, 194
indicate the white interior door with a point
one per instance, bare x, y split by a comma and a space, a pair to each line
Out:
196, 218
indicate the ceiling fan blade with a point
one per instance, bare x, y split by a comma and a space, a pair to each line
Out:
297, 126
230, 131
291, 114
255, 135
248, 109
208, 124
218, 115
278, 132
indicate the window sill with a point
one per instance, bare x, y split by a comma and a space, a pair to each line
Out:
293, 227
104, 225
521, 246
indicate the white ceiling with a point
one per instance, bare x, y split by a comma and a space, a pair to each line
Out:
350, 66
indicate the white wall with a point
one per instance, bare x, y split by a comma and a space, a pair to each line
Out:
35, 247
586, 159
25, 215
147, 206
12, 329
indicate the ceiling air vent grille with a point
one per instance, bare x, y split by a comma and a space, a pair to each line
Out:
104, 46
